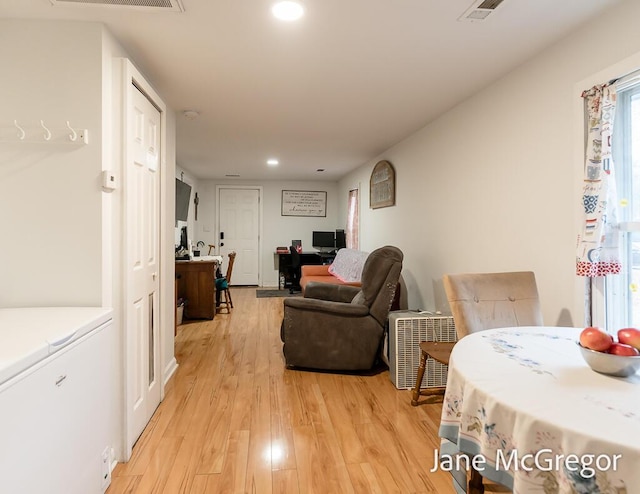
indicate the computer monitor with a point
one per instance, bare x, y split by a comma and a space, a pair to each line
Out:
341, 239
323, 241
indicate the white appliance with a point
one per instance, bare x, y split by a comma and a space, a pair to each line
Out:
55, 390
407, 329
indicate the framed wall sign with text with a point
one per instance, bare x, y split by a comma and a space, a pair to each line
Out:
382, 186
304, 203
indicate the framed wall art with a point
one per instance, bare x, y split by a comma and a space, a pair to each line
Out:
304, 203
382, 186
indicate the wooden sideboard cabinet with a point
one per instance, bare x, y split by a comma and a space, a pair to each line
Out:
196, 283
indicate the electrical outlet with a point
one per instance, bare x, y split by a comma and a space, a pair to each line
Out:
105, 468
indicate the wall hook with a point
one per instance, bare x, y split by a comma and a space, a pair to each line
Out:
47, 132
21, 133
74, 135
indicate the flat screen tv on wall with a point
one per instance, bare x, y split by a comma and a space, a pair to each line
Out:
183, 198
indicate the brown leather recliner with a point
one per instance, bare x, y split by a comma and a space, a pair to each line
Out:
340, 327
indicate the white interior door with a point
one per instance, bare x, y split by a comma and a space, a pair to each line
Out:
142, 207
239, 231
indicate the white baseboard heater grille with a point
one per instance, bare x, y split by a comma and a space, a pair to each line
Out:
407, 329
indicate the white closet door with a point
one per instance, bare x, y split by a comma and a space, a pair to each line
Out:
142, 213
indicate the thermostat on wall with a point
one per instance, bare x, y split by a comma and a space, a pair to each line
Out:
109, 181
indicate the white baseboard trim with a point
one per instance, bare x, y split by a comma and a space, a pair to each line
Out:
170, 370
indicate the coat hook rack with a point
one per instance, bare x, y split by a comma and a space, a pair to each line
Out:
30, 134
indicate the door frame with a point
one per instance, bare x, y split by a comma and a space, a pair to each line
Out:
130, 77
260, 217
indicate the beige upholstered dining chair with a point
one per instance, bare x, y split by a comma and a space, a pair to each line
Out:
480, 301
492, 300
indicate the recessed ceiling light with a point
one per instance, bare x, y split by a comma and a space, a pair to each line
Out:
272, 162
287, 10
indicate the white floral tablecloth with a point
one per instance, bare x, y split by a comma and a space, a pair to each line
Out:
525, 406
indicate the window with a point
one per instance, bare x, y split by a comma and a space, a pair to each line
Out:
622, 292
353, 240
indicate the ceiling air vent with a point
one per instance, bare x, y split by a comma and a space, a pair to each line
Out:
147, 5
480, 10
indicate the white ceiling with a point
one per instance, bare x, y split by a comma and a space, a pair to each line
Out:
332, 91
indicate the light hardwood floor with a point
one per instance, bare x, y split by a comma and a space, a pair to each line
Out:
235, 420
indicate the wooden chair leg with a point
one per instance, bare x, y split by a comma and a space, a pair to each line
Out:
226, 302
416, 390
425, 354
223, 302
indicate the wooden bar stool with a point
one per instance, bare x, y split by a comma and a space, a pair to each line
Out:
438, 351
223, 295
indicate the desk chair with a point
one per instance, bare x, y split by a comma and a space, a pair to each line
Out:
294, 269
478, 302
222, 287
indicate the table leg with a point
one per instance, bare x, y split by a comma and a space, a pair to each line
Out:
475, 482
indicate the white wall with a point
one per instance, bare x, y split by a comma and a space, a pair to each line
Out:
277, 230
50, 194
491, 185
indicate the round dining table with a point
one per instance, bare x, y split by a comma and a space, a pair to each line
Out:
529, 413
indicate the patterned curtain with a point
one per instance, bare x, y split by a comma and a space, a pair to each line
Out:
353, 242
598, 253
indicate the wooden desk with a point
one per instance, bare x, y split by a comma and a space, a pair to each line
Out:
197, 285
306, 258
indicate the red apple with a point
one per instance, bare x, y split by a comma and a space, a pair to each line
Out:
595, 339
630, 336
622, 349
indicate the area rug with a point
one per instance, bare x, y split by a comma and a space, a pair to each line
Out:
265, 293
